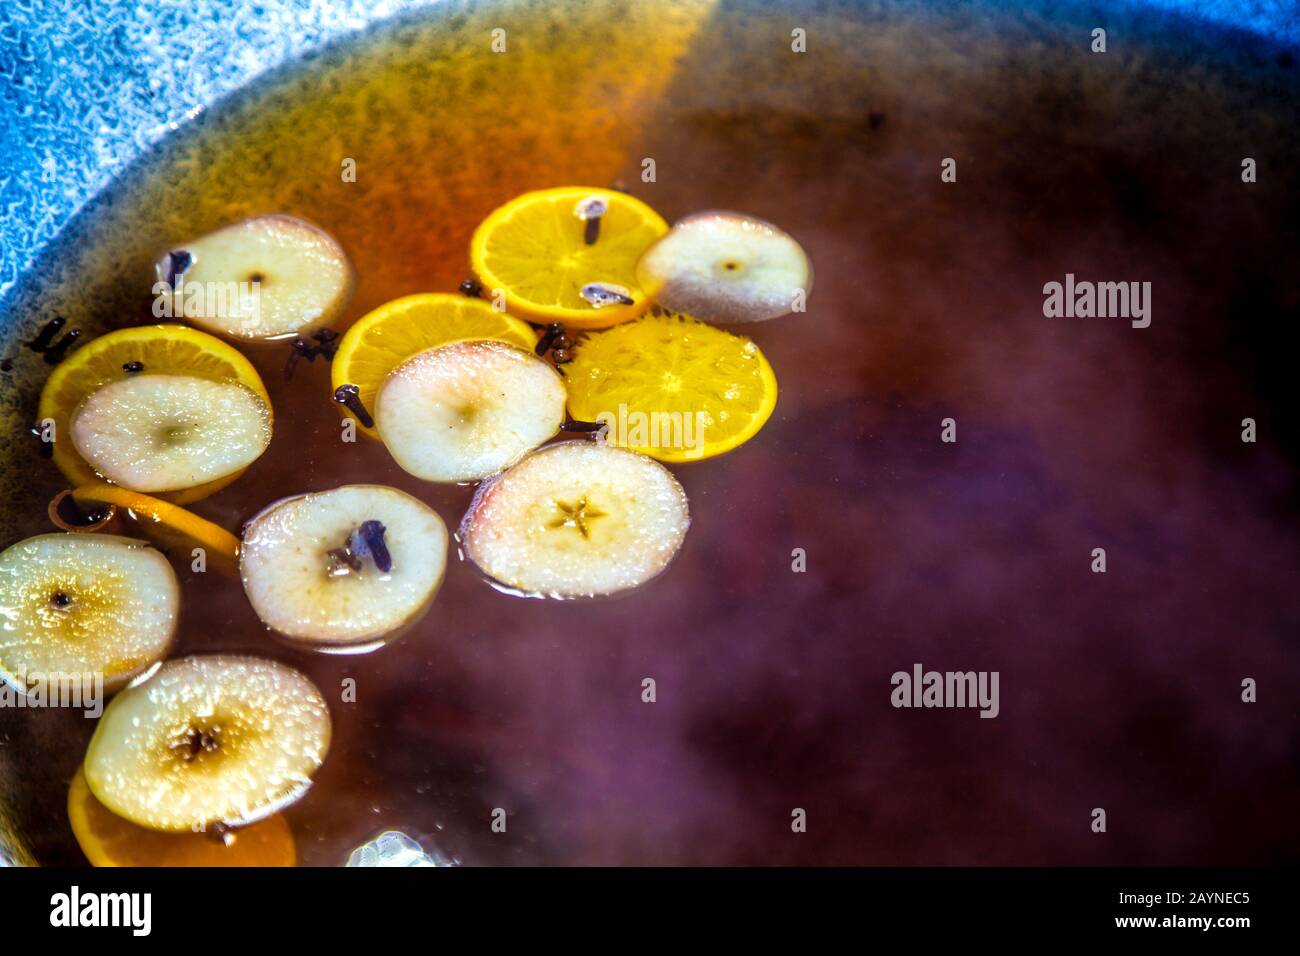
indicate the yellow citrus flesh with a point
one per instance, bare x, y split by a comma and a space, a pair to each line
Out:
671, 387
173, 530
108, 840
534, 250
169, 349
385, 338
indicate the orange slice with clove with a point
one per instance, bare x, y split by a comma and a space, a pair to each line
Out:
567, 255
385, 338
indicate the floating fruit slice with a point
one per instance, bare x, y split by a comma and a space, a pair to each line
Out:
576, 519
262, 278
672, 388
175, 531
567, 255
67, 515
385, 338
170, 432
76, 604
219, 739
151, 349
464, 411
346, 569
108, 840
725, 267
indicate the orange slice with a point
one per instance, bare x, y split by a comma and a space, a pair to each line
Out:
175, 531
672, 387
170, 349
535, 250
108, 840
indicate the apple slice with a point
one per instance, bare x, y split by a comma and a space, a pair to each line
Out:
576, 519
165, 432
724, 267
466, 410
344, 570
213, 739
267, 277
79, 604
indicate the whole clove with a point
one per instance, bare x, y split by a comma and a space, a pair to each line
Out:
553, 333
47, 447
46, 335
174, 265
590, 211
327, 344
350, 396
368, 541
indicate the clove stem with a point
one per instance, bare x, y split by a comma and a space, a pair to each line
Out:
577, 425
47, 447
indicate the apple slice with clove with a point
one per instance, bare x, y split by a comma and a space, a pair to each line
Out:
265, 278
344, 570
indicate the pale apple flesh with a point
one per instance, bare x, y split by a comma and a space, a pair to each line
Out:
265, 278
94, 607
161, 432
344, 570
206, 740
468, 409
725, 268
576, 519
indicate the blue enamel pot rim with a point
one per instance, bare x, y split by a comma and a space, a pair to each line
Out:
129, 92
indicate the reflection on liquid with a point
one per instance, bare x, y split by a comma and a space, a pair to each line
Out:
394, 848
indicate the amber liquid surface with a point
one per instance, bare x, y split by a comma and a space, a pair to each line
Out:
772, 685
